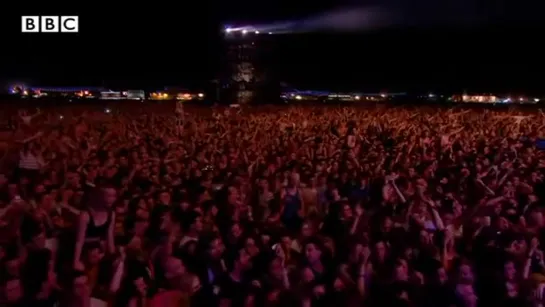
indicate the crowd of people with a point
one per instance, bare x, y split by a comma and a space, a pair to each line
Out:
289, 206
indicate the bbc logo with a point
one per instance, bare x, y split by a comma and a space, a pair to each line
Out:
49, 24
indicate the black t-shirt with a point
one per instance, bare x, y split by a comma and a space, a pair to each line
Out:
439, 296
235, 291
51, 301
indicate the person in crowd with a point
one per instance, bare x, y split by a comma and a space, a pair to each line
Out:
274, 206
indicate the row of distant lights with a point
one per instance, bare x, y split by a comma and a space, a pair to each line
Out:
243, 31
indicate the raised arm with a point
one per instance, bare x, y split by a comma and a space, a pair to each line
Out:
396, 189
80, 239
115, 283
111, 235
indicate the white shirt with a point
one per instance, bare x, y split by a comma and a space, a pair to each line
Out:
29, 161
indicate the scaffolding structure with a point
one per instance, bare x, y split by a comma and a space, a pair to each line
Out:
242, 68
249, 67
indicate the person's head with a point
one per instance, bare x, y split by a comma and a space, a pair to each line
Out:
135, 282
294, 180
215, 248
536, 218
12, 263
276, 268
466, 294
140, 286
346, 211
39, 189
306, 230
265, 239
192, 222
401, 270
243, 261
502, 224
263, 184
93, 254
425, 238
381, 250
509, 270
251, 246
47, 201
80, 286
233, 195
387, 224
211, 211
164, 198
236, 231
329, 245
66, 195
313, 251
442, 275
102, 198
286, 241
13, 290
465, 273
174, 267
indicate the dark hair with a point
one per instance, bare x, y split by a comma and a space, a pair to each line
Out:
231, 261
314, 241
189, 219
136, 269
95, 198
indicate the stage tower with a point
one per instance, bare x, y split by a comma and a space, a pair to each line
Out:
248, 67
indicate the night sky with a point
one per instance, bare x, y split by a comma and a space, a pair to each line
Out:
427, 45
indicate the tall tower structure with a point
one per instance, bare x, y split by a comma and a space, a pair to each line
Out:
247, 76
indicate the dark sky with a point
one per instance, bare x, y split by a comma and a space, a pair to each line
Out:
428, 44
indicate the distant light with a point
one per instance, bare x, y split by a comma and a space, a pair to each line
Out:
86, 92
228, 30
61, 117
270, 33
25, 93
256, 32
383, 95
521, 99
201, 95
298, 97
536, 99
431, 95
357, 97
244, 31
107, 110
